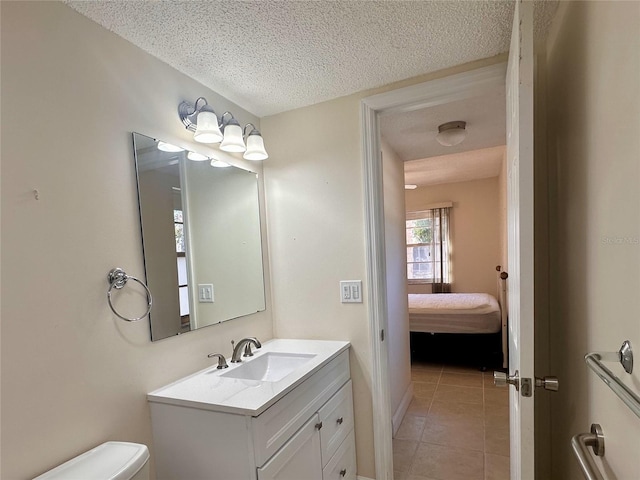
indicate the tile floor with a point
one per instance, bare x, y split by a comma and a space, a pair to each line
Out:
456, 428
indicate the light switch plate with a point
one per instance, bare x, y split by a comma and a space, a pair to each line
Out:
351, 291
205, 293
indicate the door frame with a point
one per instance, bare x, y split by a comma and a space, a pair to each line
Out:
439, 91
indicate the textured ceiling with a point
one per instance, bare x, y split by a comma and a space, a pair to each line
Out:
270, 56
457, 167
412, 135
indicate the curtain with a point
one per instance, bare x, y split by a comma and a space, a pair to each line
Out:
441, 274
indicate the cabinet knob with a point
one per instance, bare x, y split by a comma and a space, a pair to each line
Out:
318, 426
343, 472
340, 420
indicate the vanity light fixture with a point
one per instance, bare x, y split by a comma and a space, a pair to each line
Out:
410, 186
451, 133
219, 163
207, 127
167, 147
197, 157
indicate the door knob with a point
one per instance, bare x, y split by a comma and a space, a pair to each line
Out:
501, 379
548, 383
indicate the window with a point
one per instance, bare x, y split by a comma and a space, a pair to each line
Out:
183, 287
428, 250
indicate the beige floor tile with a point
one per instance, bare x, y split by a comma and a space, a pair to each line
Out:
455, 394
453, 408
461, 410
426, 366
397, 475
496, 396
419, 406
496, 440
496, 416
461, 379
430, 376
403, 452
411, 427
467, 433
424, 389
448, 463
496, 467
461, 369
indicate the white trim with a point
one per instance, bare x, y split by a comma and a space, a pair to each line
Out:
363, 478
402, 409
436, 92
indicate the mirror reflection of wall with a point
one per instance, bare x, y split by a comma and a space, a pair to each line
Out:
201, 240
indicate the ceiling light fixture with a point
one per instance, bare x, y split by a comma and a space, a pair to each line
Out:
201, 119
451, 133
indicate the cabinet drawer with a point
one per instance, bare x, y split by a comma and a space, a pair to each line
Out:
337, 421
298, 459
280, 422
342, 465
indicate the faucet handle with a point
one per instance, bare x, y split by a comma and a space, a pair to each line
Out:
222, 362
247, 347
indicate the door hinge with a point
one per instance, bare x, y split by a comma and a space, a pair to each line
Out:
382, 335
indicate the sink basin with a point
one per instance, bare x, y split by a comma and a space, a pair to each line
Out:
269, 367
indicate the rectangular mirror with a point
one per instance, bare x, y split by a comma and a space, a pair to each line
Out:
201, 239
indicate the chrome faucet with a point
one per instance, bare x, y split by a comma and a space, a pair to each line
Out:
246, 344
222, 362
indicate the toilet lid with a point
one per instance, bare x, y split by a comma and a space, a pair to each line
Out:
109, 461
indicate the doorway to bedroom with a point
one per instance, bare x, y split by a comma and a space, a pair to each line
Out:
451, 422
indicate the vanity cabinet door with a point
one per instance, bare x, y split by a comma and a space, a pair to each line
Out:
299, 458
337, 421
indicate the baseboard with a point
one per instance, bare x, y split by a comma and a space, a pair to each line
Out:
402, 409
363, 478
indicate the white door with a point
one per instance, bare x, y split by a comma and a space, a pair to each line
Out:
519, 85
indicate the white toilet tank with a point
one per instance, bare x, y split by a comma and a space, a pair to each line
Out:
109, 461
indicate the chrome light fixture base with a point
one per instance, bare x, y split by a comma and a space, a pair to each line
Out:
215, 130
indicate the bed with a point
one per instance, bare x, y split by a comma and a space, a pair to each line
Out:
476, 315
454, 313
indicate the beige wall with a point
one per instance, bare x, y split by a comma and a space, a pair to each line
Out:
73, 375
314, 184
396, 270
157, 200
224, 200
475, 230
594, 152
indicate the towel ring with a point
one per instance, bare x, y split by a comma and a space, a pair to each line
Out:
118, 279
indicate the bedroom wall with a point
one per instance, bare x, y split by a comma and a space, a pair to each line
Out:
594, 152
396, 267
475, 231
73, 375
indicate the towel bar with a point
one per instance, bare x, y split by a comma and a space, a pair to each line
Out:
625, 357
580, 444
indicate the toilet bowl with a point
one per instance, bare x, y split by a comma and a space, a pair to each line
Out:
109, 461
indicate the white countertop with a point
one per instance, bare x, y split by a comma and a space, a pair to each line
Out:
209, 390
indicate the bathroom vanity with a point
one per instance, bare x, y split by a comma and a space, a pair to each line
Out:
286, 413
